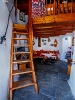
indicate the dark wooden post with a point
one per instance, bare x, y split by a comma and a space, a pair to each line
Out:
71, 6
30, 29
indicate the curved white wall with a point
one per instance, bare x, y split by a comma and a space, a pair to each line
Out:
4, 51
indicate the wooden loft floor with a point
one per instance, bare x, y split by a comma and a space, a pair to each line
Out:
54, 25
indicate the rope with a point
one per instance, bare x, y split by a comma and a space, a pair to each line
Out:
3, 38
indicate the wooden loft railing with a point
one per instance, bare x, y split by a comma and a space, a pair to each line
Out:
59, 7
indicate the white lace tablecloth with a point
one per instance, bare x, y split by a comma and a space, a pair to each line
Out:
49, 55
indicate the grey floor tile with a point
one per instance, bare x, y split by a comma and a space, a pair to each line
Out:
52, 83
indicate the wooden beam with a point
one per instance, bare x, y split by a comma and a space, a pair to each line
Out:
67, 24
53, 29
41, 27
45, 36
52, 33
70, 17
48, 31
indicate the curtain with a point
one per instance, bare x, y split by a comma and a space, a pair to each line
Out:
38, 8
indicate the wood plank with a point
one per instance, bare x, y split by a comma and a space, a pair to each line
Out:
16, 72
54, 29
19, 26
45, 36
26, 45
20, 52
21, 61
61, 24
54, 33
20, 33
42, 32
23, 83
41, 26
20, 38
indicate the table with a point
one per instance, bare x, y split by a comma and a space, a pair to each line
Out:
49, 55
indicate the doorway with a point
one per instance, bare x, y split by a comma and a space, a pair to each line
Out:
66, 47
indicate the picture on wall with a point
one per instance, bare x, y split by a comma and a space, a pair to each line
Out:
39, 42
49, 40
42, 40
72, 41
44, 43
66, 38
22, 16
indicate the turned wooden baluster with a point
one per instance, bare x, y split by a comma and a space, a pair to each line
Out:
67, 6
46, 8
58, 6
71, 6
54, 7
63, 7
50, 7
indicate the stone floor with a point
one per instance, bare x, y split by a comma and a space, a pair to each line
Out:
52, 83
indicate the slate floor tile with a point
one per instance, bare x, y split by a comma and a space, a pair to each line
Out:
52, 83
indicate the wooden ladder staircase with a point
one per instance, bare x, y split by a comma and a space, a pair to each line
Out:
22, 69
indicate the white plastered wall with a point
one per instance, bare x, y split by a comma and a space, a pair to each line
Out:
4, 50
71, 80
48, 44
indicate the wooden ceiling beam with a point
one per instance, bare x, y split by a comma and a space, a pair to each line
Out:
49, 32
48, 28
44, 26
45, 36
53, 30
54, 24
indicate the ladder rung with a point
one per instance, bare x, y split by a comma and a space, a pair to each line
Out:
21, 33
20, 52
16, 72
20, 38
20, 45
23, 83
21, 61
